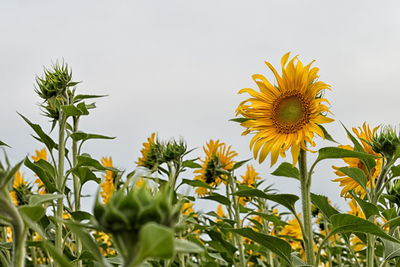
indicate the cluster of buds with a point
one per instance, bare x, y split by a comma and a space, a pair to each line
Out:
54, 89
128, 212
387, 143
156, 153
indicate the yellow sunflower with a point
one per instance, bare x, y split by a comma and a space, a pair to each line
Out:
355, 210
365, 135
249, 179
40, 154
293, 230
218, 156
143, 160
19, 182
286, 115
108, 185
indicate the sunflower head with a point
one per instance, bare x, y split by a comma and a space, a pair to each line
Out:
107, 186
365, 136
21, 190
285, 115
216, 165
387, 142
152, 153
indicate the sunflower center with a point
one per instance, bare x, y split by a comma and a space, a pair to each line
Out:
291, 112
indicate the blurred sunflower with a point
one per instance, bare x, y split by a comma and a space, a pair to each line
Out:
249, 179
355, 210
286, 115
365, 135
40, 154
108, 185
219, 158
19, 189
293, 231
147, 159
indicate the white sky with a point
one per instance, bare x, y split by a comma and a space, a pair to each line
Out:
175, 67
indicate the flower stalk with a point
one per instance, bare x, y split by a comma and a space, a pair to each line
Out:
305, 181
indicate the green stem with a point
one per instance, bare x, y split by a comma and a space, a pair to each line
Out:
77, 189
239, 241
305, 181
263, 209
60, 183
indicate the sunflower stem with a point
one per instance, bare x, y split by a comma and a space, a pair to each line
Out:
77, 189
236, 210
305, 181
60, 183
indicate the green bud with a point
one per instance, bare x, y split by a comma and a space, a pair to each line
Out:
387, 142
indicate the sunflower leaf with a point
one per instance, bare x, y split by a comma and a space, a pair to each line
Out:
218, 198
3, 144
346, 223
369, 209
240, 120
287, 170
322, 203
196, 183
357, 175
278, 246
327, 135
338, 153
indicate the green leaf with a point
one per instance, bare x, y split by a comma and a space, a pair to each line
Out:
34, 213
357, 175
3, 144
196, 183
218, 198
42, 136
191, 164
45, 171
78, 98
389, 214
297, 262
240, 164
323, 204
77, 136
278, 246
369, 209
395, 171
156, 241
286, 200
287, 170
35, 200
357, 145
327, 135
87, 240
338, 153
240, 120
346, 223
81, 216
89, 162
391, 250
220, 244
85, 174
118, 260
10, 174
185, 246
76, 111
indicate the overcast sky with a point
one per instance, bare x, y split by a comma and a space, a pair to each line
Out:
175, 67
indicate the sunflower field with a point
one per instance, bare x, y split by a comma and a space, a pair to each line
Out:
146, 216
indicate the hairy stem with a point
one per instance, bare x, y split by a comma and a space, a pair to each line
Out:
305, 181
60, 183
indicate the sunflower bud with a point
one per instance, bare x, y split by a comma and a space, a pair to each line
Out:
54, 89
387, 143
128, 212
174, 150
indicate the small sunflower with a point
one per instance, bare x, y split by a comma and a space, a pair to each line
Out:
40, 154
146, 159
108, 185
218, 158
293, 231
365, 135
19, 188
187, 208
249, 179
287, 115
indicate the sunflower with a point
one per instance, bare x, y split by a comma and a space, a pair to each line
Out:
108, 185
287, 115
249, 179
146, 151
19, 187
293, 231
365, 135
40, 154
355, 210
218, 158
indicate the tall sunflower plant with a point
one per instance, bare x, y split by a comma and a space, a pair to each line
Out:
288, 115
